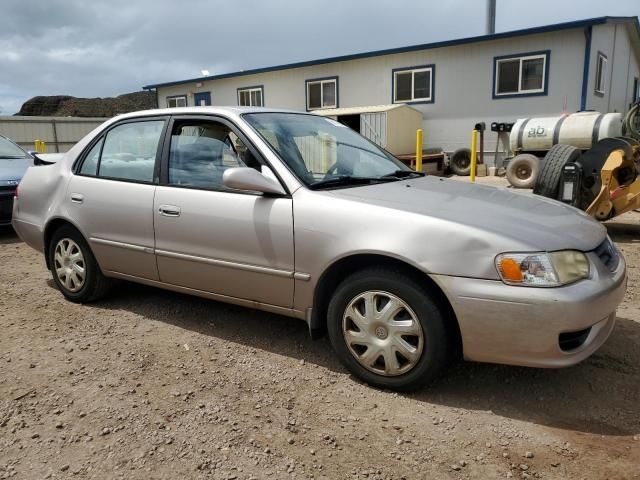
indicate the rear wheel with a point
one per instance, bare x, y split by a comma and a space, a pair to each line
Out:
387, 330
522, 170
75, 270
548, 182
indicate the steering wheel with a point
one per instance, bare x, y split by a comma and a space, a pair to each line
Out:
331, 171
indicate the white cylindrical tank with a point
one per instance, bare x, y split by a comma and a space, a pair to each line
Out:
581, 130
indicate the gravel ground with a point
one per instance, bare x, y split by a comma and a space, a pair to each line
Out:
153, 384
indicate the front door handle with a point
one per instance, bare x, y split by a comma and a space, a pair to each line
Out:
169, 210
77, 198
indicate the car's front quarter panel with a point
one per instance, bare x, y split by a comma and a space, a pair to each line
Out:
329, 228
499, 323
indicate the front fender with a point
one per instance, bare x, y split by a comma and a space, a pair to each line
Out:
328, 229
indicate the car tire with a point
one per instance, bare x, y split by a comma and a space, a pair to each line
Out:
426, 331
460, 162
548, 182
522, 170
75, 270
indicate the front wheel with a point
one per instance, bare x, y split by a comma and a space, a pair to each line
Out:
387, 330
75, 270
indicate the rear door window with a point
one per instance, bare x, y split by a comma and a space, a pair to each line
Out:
90, 164
129, 151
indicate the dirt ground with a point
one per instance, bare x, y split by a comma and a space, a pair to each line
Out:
153, 384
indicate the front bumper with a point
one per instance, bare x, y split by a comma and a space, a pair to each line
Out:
6, 205
522, 325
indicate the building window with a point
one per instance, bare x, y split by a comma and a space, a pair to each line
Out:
601, 70
413, 85
322, 93
251, 96
179, 101
523, 74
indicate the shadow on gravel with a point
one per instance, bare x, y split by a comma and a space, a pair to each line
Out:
600, 395
8, 236
624, 232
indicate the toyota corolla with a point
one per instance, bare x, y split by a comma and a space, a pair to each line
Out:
299, 215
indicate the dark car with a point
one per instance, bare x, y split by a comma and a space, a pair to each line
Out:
14, 161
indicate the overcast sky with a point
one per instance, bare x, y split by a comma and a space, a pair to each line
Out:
99, 48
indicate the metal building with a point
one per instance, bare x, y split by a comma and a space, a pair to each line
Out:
590, 64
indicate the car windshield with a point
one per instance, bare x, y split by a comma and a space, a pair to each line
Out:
324, 153
9, 149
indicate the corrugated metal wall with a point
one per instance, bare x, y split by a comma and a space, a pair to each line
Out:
319, 153
374, 127
59, 133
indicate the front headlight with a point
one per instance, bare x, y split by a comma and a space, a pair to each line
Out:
542, 269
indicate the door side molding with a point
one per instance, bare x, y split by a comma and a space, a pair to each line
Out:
128, 246
225, 263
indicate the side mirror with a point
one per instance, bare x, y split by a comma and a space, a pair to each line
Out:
244, 178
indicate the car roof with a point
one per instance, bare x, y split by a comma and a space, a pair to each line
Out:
226, 111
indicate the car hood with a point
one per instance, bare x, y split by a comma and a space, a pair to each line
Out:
540, 223
12, 169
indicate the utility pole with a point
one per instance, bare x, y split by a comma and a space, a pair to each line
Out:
491, 17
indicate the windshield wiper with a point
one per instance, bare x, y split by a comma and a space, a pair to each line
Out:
403, 174
345, 180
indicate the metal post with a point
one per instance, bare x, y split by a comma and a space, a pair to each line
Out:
481, 147
474, 146
491, 17
419, 150
55, 135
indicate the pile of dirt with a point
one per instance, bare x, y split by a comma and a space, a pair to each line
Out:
66, 106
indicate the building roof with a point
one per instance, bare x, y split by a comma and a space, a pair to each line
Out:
411, 48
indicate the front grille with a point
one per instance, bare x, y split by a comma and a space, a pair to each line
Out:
6, 208
608, 254
572, 340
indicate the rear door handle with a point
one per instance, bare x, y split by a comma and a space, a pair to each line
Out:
169, 210
77, 198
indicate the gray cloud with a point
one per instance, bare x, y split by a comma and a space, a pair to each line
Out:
107, 47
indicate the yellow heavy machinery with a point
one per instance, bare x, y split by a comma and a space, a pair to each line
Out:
603, 181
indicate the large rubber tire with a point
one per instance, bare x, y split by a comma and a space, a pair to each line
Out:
438, 349
522, 170
95, 285
548, 182
461, 162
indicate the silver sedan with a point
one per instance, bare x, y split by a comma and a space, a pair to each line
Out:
299, 215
